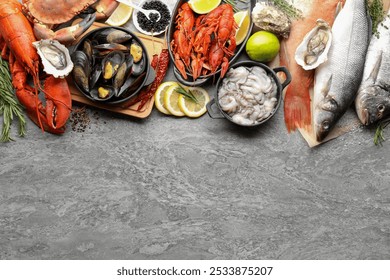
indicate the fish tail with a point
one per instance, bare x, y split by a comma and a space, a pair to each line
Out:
297, 111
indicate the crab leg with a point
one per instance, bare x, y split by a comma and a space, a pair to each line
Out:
65, 35
104, 8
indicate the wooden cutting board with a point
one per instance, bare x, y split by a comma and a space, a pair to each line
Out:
153, 46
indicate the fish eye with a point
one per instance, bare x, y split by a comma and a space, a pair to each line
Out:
381, 107
325, 125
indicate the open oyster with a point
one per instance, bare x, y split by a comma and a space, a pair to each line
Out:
55, 57
315, 46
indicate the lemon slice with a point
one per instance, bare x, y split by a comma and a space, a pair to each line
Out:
120, 16
203, 6
243, 21
171, 100
189, 107
159, 97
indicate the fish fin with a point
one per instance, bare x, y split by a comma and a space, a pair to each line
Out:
297, 109
374, 72
326, 89
338, 9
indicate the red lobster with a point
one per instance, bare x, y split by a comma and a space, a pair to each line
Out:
16, 44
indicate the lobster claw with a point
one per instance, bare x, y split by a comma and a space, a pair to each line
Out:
58, 102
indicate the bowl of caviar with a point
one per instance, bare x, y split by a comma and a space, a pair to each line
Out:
152, 26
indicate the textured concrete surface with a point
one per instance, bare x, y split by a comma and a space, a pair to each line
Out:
170, 188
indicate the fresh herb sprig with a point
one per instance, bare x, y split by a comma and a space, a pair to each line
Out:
9, 105
379, 137
377, 13
187, 93
288, 9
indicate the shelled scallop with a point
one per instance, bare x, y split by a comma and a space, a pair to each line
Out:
313, 51
106, 66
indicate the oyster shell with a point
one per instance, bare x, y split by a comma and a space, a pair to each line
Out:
269, 18
315, 46
55, 57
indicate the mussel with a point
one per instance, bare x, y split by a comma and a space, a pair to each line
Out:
136, 52
139, 67
123, 72
111, 63
131, 85
81, 70
102, 93
112, 35
88, 50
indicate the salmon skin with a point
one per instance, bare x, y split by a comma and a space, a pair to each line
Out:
297, 103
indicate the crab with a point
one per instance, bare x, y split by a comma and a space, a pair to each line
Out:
48, 17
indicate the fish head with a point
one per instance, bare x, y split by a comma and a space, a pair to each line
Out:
325, 117
373, 104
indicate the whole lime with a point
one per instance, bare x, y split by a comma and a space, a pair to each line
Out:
262, 46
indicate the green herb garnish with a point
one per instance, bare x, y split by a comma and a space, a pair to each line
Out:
377, 13
187, 93
9, 105
379, 137
287, 8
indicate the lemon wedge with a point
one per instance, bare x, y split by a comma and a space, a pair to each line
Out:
171, 100
243, 22
120, 16
203, 6
191, 108
159, 97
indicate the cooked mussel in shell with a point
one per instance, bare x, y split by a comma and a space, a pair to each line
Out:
123, 72
81, 70
102, 92
136, 52
111, 64
112, 35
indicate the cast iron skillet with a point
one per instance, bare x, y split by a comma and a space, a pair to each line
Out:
214, 108
203, 79
148, 79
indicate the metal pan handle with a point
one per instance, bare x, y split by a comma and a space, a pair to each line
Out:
213, 110
286, 72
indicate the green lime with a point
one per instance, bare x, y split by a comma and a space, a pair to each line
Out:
262, 46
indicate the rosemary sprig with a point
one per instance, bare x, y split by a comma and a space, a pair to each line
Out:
9, 105
187, 93
288, 9
379, 137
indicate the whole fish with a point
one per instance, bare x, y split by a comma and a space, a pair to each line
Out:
373, 100
297, 113
336, 82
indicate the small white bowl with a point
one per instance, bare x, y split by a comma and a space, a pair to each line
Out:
135, 21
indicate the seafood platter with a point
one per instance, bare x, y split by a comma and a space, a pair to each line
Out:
111, 65
300, 56
198, 64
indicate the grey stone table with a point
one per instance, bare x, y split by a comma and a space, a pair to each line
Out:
176, 188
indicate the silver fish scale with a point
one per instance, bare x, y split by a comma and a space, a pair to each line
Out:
338, 79
374, 90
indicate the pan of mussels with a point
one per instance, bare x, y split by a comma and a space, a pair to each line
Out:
111, 65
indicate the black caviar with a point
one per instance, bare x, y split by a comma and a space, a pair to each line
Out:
152, 25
